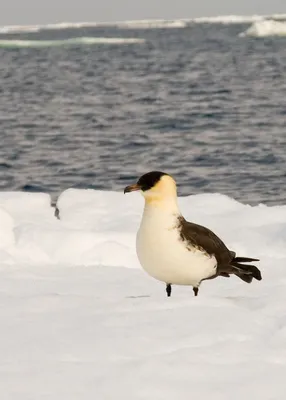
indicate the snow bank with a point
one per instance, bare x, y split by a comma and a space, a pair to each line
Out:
37, 28
143, 24
10, 43
152, 24
132, 24
266, 28
98, 228
6, 229
228, 19
77, 324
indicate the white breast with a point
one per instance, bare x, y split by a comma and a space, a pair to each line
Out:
163, 254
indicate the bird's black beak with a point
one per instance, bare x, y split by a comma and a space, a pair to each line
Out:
132, 188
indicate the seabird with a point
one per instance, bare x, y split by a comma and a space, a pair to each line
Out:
178, 252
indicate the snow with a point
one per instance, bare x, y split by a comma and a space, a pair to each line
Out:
81, 320
266, 28
152, 24
143, 24
10, 43
229, 19
132, 24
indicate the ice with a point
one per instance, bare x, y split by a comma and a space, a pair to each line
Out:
81, 320
68, 42
266, 28
229, 19
152, 24
37, 28
19, 28
143, 24
133, 24
97, 227
278, 16
6, 229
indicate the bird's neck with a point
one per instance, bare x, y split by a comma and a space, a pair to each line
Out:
167, 206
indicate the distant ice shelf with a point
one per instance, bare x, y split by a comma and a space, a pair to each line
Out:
143, 24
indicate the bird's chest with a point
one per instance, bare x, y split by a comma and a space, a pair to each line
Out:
165, 256
161, 244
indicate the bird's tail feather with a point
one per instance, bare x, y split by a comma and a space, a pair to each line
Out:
244, 259
244, 277
246, 272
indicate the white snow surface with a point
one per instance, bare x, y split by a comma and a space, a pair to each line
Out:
81, 320
266, 28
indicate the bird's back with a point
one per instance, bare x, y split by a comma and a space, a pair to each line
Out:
203, 238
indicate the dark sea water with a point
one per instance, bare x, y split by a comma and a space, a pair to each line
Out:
200, 103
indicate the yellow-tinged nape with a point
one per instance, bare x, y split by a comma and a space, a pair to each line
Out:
165, 190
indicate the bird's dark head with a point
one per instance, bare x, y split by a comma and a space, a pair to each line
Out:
154, 184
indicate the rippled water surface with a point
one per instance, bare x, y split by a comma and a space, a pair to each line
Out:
200, 103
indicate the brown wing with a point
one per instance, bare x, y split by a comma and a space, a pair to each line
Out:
204, 238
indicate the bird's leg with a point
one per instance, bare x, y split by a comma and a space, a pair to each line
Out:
196, 290
168, 289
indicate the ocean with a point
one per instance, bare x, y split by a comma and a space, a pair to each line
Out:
97, 106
